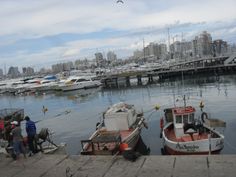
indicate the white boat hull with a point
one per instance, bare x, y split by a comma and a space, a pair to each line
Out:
132, 140
202, 146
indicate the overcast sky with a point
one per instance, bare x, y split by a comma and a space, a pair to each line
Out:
40, 33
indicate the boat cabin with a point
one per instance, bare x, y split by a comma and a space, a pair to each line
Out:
183, 116
120, 116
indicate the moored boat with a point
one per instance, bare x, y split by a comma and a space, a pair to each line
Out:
183, 134
120, 129
78, 82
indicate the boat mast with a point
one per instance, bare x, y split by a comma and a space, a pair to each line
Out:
143, 50
184, 102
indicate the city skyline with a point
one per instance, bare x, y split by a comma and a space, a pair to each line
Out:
43, 33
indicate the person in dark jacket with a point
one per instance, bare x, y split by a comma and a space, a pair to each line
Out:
31, 132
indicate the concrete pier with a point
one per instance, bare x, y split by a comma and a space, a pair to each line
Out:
107, 166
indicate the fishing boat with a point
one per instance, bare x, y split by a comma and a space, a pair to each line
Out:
184, 134
120, 129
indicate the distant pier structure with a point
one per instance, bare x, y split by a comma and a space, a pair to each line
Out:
209, 66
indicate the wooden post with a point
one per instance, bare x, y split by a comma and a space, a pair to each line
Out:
139, 78
127, 81
116, 82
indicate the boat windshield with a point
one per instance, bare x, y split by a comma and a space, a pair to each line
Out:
186, 118
191, 118
178, 119
82, 80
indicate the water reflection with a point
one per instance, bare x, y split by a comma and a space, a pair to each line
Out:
75, 94
86, 106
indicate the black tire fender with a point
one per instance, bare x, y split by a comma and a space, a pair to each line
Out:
204, 116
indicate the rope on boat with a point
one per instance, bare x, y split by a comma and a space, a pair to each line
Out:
149, 116
63, 113
149, 110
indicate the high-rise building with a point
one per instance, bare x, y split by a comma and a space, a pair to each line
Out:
220, 47
137, 54
194, 48
203, 44
153, 49
28, 71
13, 72
1, 73
99, 59
162, 50
176, 49
62, 67
111, 56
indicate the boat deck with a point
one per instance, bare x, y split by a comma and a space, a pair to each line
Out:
107, 141
170, 134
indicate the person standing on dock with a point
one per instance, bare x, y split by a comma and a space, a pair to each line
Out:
18, 145
31, 133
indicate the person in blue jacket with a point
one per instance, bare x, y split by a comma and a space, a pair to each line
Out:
31, 133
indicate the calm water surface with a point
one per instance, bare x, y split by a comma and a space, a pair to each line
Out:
73, 115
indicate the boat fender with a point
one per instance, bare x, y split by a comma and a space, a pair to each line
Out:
204, 116
97, 125
130, 154
123, 146
161, 123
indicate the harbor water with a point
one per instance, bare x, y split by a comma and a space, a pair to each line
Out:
72, 116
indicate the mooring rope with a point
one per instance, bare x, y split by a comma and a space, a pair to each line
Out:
230, 145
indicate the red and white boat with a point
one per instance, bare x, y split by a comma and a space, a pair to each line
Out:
182, 134
120, 129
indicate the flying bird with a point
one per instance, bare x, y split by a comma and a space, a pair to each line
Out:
120, 1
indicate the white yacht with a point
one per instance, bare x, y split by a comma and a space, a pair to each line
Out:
79, 82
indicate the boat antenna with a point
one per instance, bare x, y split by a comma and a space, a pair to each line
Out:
168, 31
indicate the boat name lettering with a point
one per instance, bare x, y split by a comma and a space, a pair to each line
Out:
191, 148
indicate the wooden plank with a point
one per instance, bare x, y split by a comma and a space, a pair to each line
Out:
222, 165
5, 160
68, 167
158, 166
108, 166
123, 167
190, 166
42, 166
11, 167
97, 166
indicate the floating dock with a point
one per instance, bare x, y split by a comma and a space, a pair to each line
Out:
107, 166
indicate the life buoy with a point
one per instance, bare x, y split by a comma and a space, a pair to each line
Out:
204, 116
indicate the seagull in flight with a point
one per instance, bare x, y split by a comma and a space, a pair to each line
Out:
120, 1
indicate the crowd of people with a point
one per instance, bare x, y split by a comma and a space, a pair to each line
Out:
17, 144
